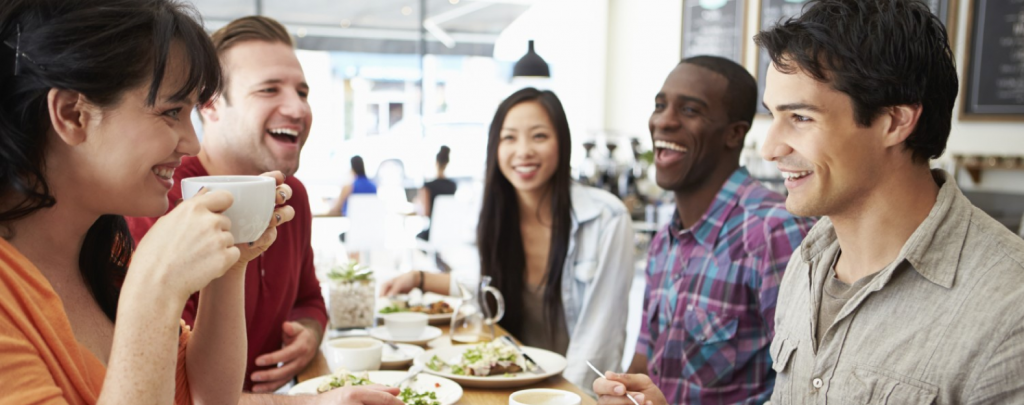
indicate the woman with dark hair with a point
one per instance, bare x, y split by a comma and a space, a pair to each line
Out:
560, 253
360, 185
94, 104
431, 189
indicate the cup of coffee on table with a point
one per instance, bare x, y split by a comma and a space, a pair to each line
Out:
543, 396
254, 201
353, 354
405, 325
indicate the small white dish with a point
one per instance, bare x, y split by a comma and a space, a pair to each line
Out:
448, 391
355, 354
405, 325
430, 333
399, 359
544, 396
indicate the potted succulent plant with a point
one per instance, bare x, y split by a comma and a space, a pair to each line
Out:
351, 296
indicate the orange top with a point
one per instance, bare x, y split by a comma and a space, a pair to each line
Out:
40, 360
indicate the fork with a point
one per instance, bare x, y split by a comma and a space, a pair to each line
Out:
412, 373
537, 368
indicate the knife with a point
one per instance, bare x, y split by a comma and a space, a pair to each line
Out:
537, 368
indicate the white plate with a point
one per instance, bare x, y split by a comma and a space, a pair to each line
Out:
430, 333
392, 359
552, 363
448, 391
428, 298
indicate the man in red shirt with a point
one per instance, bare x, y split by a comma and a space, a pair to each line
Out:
258, 124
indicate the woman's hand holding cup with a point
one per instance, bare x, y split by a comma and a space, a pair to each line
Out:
189, 247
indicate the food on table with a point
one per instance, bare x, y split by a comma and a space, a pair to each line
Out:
351, 296
410, 397
436, 308
343, 378
486, 359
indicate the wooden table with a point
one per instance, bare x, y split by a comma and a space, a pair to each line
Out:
475, 396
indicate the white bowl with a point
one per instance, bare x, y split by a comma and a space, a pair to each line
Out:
353, 354
543, 396
405, 325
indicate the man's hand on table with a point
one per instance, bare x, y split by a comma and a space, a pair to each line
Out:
300, 346
368, 395
611, 390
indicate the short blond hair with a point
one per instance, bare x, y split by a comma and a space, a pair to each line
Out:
251, 28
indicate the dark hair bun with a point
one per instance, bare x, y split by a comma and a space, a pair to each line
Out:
442, 155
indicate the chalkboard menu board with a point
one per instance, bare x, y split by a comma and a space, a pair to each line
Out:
772, 12
714, 27
995, 61
775, 11
942, 9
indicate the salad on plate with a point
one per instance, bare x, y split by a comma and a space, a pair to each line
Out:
486, 359
344, 378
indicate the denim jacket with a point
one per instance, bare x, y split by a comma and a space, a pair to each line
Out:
596, 279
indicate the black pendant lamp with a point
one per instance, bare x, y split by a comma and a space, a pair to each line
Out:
531, 65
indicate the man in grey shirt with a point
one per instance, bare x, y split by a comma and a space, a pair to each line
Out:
904, 293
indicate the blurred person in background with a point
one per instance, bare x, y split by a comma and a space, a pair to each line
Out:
558, 251
360, 185
94, 103
431, 189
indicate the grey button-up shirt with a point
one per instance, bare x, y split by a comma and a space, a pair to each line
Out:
943, 324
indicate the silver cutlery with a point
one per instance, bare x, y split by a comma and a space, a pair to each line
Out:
395, 347
600, 374
416, 369
537, 369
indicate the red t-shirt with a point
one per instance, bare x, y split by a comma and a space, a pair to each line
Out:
280, 285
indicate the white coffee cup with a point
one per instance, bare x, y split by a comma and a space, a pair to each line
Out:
543, 396
405, 325
254, 201
353, 354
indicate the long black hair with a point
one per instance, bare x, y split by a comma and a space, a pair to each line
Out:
498, 236
357, 166
101, 49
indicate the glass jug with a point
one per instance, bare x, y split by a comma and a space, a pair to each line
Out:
472, 321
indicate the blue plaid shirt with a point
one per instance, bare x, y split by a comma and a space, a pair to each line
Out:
709, 307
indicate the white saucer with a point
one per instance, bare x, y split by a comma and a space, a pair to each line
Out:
430, 333
400, 359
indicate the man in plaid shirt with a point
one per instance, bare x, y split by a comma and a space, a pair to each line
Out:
713, 273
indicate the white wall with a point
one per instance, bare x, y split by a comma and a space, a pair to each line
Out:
644, 45
644, 39
572, 37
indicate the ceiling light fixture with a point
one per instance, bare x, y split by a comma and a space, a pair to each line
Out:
531, 65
